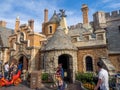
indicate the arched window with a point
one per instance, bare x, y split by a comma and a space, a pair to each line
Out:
50, 29
89, 63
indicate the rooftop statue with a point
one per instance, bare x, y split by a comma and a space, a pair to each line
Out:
62, 13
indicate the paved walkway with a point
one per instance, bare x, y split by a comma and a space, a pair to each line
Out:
44, 87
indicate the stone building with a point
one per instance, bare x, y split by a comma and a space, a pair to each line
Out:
78, 47
24, 45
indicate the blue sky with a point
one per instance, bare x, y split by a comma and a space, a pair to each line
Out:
34, 9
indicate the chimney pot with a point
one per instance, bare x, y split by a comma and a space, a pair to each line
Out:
85, 13
31, 24
46, 15
3, 23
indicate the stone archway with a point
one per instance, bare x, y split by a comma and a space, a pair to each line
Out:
23, 59
66, 61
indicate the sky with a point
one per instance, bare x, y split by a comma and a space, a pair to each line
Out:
34, 9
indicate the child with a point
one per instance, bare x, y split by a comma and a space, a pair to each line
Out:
60, 83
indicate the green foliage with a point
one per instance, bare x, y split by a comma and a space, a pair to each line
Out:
85, 77
45, 76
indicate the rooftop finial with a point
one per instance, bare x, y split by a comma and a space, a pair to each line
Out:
18, 18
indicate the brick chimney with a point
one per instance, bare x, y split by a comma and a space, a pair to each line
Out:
45, 15
17, 24
31, 24
85, 13
3, 23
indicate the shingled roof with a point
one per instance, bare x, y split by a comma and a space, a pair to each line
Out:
55, 18
4, 34
59, 41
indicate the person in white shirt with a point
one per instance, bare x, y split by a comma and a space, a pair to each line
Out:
6, 70
103, 78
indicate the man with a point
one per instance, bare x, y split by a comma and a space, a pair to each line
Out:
6, 70
102, 78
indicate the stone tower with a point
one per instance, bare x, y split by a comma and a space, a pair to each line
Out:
99, 20
85, 13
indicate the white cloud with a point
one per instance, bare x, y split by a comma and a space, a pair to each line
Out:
114, 5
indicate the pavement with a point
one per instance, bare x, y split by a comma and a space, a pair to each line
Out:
43, 87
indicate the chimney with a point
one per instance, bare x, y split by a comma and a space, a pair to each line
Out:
3, 23
85, 13
17, 23
31, 24
45, 15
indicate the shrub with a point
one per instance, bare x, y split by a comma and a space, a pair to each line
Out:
45, 76
85, 77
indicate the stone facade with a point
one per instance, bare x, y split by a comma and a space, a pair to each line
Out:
25, 45
94, 52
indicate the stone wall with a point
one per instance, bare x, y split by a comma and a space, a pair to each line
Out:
51, 61
113, 34
115, 60
94, 53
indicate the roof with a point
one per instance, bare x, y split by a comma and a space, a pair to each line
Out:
4, 34
59, 41
55, 18
77, 31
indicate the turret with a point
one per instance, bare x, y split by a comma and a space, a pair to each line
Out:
99, 20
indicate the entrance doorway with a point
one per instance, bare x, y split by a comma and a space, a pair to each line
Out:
65, 61
24, 61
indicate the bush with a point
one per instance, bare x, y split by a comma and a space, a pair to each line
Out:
85, 77
45, 76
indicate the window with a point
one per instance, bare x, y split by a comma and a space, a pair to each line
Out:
89, 63
50, 29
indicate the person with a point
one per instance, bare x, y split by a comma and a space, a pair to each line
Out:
60, 82
61, 71
102, 78
6, 70
13, 69
20, 66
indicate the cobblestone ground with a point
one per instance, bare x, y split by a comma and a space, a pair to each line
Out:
44, 87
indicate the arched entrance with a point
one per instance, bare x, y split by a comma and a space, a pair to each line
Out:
65, 60
23, 59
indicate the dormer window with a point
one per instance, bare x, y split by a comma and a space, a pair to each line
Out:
50, 29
